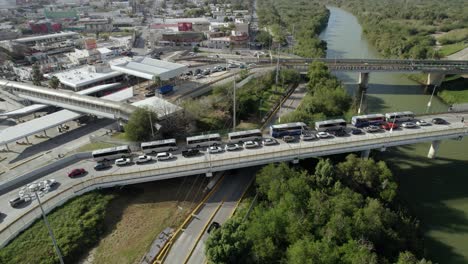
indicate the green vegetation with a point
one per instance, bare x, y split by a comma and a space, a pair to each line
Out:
139, 126
255, 98
95, 145
77, 226
54, 82
340, 213
402, 28
36, 74
326, 97
454, 36
302, 19
452, 48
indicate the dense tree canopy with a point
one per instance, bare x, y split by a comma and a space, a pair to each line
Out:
324, 217
139, 125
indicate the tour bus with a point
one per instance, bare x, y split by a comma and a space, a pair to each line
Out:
243, 136
399, 116
204, 140
159, 146
288, 129
111, 153
329, 125
367, 120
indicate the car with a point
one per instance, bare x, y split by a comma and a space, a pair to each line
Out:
356, 131
215, 69
372, 129
422, 123
15, 202
251, 144
122, 161
323, 135
206, 72
76, 172
242, 66
269, 141
198, 71
150, 94
439, 121
143, 159
199, 76
231, 147
288, 139
232, 65
308, 136
213, 226
214, 149
251, 65
190, 152
164, 156
340, 133
408, 125
102, 166
389, 125
49, 182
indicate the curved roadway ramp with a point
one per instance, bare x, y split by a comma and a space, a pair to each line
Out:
190, 245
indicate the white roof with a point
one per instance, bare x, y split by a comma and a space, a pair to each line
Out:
44, 37
104, 50
82, 76
158, 105
147, 68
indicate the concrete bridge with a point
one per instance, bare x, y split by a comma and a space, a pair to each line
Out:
436, 69
208, 164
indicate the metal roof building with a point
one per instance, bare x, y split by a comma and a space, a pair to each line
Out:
147, 68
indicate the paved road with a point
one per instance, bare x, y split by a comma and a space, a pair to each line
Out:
230, 191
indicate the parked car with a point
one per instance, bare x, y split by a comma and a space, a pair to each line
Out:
190, 152
143, 159
76, 172
15, 202
214, 149
150, 94
340, 133
372, 129
439, 121
308, 136
102, 166
199, 76
231, 147
198, 71
213, 226
251, 144
230, 65
409, 125
323, 135
122, 161
269, 141
389, 125
288, 139
422, 123
356, 131
164, 156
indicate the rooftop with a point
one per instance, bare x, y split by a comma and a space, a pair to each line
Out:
147, 68
44, 37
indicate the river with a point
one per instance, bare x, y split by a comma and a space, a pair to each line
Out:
436, 191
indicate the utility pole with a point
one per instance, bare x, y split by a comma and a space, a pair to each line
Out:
277, 70
151, 124
234, 106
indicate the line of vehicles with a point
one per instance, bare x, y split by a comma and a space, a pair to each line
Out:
249, 139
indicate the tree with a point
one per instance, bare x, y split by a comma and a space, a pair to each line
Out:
157, 81
36, 74
54, 82
141, 125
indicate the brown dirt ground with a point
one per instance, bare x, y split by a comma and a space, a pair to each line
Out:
140, 212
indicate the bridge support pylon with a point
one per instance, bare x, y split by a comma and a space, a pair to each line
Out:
363, 80
365, 154
433, 149
435, 79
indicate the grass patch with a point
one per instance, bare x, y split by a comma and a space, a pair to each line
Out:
452, 48
95, 145
454, 97
120, 136
138, 215
247, 126
77, 226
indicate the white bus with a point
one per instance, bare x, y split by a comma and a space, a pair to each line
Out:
399, 116
367, 120
288, 129
328, 125
204, 140
159, 146
111, 153
243, 136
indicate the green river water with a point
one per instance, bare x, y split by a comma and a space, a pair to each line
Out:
436, 191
